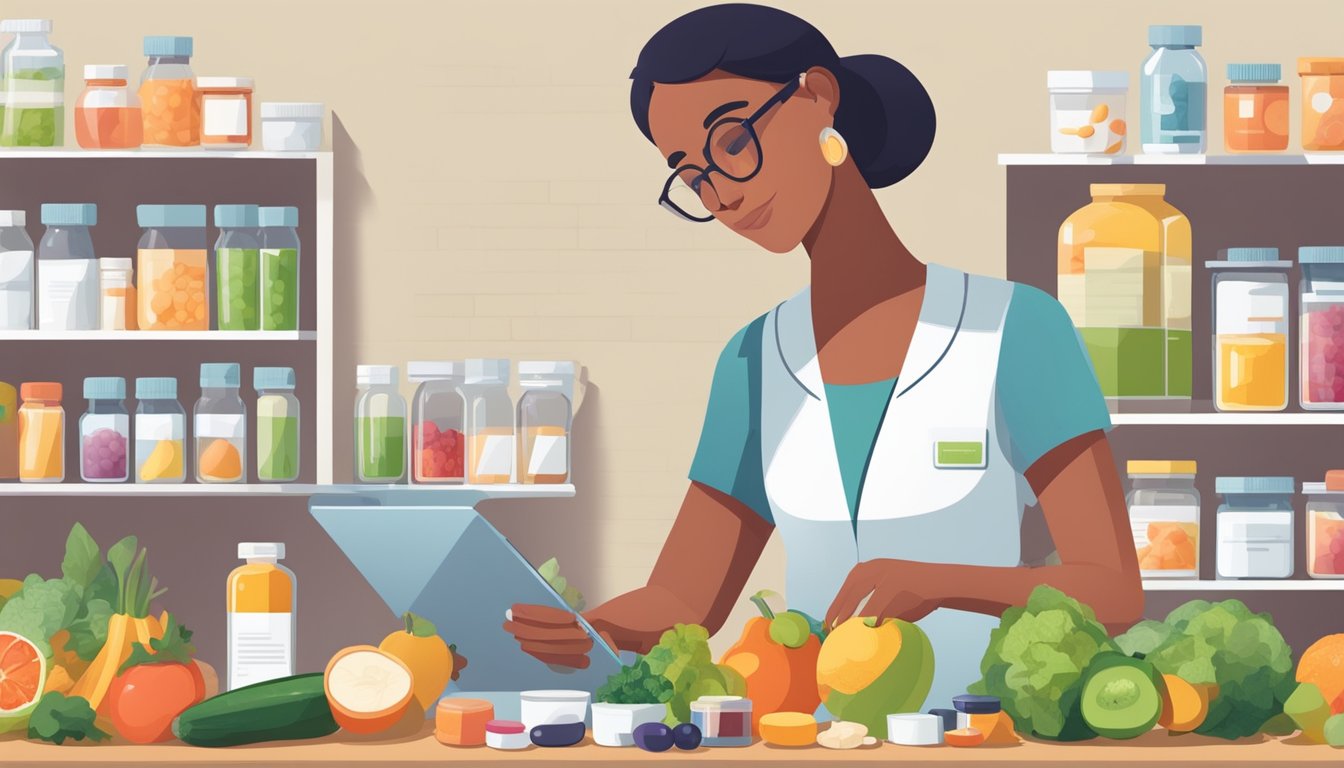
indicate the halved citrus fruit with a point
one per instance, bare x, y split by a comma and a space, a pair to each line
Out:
369, 690
23, 672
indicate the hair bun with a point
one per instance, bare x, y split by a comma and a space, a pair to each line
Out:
886, 117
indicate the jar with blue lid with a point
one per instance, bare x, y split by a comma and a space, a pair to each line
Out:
1255, 527
1173, 91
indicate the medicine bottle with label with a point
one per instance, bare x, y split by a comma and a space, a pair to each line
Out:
263, 596
489, 422
221, 426
544, 414
160, 432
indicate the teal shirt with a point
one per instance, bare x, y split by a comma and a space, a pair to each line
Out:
1047, 394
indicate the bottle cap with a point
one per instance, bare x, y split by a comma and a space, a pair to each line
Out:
972, 704
291, 110
1241, 258
69, 214
220, 375
106, 72
375, 375
41, 390
1321, 254
1320, 66
488, 370
236, 216
272, 378
1161, 467
1121, 190
1085, 80
279, 216
1237, 485
170, 215
545, 368
249, 550
168, 45
424, 370
1175, 34
25, 25
13, 218
231, 83
1254, 73
156, 388
104, 388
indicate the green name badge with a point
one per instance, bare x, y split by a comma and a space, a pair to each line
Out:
959, 449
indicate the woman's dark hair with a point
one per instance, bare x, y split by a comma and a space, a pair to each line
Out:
885, 115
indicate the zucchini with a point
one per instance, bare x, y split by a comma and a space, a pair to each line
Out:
286, 709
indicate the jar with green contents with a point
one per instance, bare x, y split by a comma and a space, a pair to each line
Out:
277, 425
32, 74
380, 426
279, 269
237, 267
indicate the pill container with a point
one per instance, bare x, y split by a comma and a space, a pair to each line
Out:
490, 444
380, 426
1255, 527
238, 268
160, 432
104, 431
116, 295
279, 268
1255, 109
16, 273
544, 415
1173, 91
1164, 518
947, 717
438, 413
1322, 103
291, 126
1321, 327
506, 734
67, 269
969, 705
277, 425
915, 730
1250, 327
462, 722
220, 420
1087, 111
174, 290
41, 433
33, 85
1325, 527
107, 114
553, 707
724, 721
226, 112
170, 105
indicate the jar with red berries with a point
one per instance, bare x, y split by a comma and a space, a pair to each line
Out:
438, 446
1322, 327
1325, 526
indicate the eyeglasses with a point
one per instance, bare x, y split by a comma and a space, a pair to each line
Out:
733, 149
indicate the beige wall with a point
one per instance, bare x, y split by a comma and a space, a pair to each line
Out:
502, 202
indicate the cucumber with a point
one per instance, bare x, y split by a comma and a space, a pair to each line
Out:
286, 709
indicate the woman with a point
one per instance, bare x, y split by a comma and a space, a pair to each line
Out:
893, 420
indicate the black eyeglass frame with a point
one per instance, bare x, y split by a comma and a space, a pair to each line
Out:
749, 125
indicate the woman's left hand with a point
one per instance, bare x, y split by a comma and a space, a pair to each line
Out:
900, 589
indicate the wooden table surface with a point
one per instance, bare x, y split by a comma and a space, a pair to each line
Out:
418, 749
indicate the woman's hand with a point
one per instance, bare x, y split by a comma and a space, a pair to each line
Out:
900, 589
552, 635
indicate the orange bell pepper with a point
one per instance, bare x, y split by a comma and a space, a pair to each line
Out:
777, 655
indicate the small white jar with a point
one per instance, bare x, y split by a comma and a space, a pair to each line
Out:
506, 734
291, 126
1087, 111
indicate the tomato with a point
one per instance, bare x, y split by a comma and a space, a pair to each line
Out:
143, 700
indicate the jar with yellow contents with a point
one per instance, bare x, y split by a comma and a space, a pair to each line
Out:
1250, 330
173, 294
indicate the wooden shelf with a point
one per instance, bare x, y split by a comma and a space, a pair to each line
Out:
250, 336
149, 490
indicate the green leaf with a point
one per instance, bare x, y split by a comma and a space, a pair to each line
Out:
88, 633
419, 626
173, 648
83, 560
59, 717
121, 555
559, 584
549, 569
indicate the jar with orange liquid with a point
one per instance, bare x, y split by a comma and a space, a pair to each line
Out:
107, 115
1164, 518
263, 596
490, 443
544, 414
174, 290
1255, 109
1250, 327
171, 106
41, 433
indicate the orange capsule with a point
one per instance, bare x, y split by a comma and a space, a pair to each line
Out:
1086, 132
1118, 127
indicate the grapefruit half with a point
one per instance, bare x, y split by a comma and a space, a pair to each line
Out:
23, 672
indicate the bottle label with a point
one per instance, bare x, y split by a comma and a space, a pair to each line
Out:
92, 422
496, 456
222, 116
157, 426
16, 290
550, 455
261, 647
68, 294
225, 425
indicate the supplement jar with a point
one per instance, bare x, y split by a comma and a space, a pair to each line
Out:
1087, 111
291, 126
1164, 518
160, 432
277, 425
438, 415
107, 115
1321, 327
544, 415
117, 295
1322, 104
237, 268
174, 294
1325, 527
33, 83
16, 273
1173, 92
489, 422
1250, 330
170, 105
104, 431
226, 112
380, 426
67, 269
1255, 109
279, 268
1255, 527
220, 420
41, 433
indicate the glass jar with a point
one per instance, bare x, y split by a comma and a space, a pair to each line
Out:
160, 432
277, 425
489, 422
171, 107
67, 269
291, 126
1173, 91
174, 292
9, 432
1325, 527
221, 426
41, 433
544, 414
1255, 527
237, 267
1255, 109
279, 268
1164, 518
33, 86
226, 112
438, 444
1321, 327
104, 431
117, 295
1087, 111
16, 272
1125, 280
107, 114
380, 426
1322, 104
1250, 330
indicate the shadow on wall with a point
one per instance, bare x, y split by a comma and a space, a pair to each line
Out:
354, 202
567, 529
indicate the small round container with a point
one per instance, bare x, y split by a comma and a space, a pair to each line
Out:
1087, 111
553, 707
291, 126
968, 705
226, 112
915, 730
724, 721
462, 722
1255, 527
506, 734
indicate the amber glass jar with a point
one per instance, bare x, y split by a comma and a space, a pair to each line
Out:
1255, 109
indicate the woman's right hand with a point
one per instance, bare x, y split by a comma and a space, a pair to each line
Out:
552, 635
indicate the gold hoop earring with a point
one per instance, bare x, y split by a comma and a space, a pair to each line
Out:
833, 146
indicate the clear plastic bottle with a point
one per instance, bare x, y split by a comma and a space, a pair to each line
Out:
545, 411
277, 425
41, 433
16, 272
237, 267
262, 626
1164, 518
1173, 91
67, 269
380, 426
170, 104
107, 114
279, 269
160, 432
104, 431
438, 442
490, 439
174, 290
221, 426
1250, 330
33, 113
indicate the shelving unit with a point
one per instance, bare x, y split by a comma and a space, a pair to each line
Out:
1310, 418
415, 494
1243, 585
118, 336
